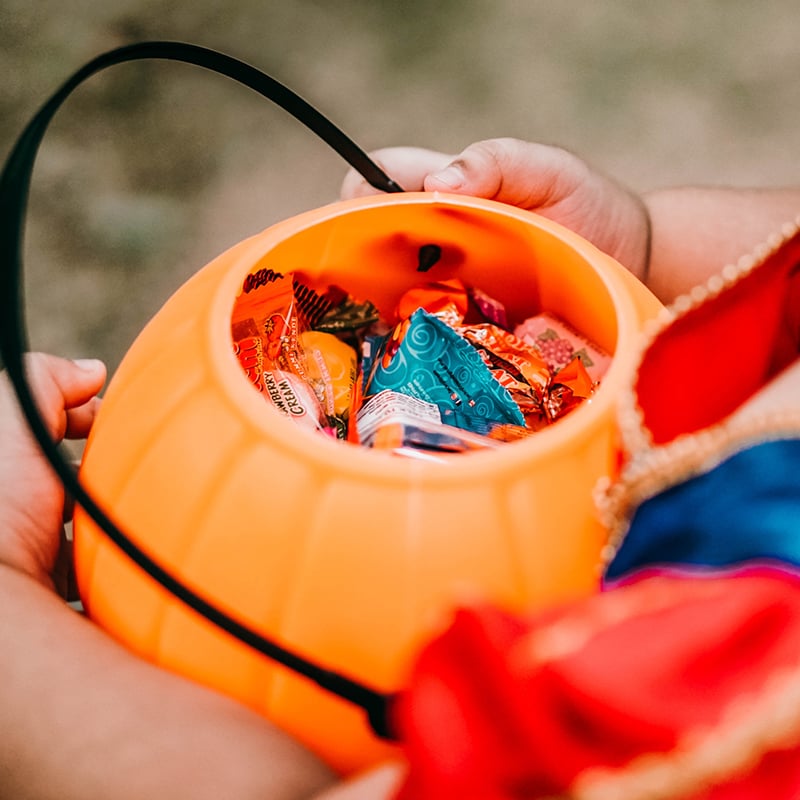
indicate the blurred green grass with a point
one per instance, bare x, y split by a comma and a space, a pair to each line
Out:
151, 169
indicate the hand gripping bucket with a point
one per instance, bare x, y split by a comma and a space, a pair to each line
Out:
300, 574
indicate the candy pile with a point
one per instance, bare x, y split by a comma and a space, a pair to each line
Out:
444, 374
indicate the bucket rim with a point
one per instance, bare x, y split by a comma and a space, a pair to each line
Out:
345, 458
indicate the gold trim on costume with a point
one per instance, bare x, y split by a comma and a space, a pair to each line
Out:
649, 468
751, 726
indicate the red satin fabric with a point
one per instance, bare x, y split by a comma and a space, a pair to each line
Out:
503, 708
714, 357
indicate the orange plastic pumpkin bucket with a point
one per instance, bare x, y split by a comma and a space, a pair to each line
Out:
256, 554
345, 554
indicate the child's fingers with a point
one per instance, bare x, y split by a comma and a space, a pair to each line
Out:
407, 166
81, 419
518, 173
74, 381
59, 384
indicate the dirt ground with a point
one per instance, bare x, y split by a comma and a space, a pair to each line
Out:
150, 170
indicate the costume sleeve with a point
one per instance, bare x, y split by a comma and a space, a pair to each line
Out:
665, 687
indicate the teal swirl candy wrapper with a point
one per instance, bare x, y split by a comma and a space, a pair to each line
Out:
425, 358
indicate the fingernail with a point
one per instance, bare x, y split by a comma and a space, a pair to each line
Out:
451, 176
89, 364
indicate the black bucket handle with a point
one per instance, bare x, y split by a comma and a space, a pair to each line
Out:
14, 190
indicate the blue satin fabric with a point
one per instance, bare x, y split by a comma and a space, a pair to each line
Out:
746, 510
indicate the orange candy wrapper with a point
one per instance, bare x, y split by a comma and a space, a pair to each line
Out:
447, 300
265, 327
543, 394
569, 387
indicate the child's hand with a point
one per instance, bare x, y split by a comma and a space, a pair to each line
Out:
548, 180
32, 508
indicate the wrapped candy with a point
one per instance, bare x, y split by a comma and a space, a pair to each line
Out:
331, 367
558, 343
440, 352
425, 358
265, 327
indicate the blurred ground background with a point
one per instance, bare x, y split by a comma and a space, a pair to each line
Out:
152, 169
